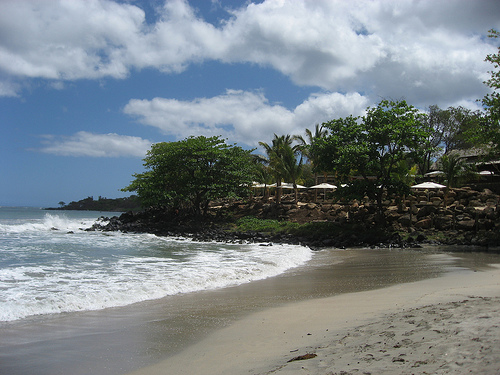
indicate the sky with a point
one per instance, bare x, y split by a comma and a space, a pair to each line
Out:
86, 86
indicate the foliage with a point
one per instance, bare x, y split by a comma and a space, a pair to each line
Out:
282, 160
492, 100
489, 133
188, 174
450, 129
250, 223
372, 147
306, 230
131, 203
455, 169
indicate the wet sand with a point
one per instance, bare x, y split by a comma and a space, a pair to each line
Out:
449, 325
121, 340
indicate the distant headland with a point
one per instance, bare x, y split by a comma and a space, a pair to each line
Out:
131, 203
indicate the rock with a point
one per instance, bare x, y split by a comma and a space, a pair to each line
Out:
443, 222
424, 223
466, 225
405, 220
475, 203
426, 211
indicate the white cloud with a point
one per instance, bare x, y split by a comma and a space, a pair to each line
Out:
241, 116
8, 89
95, 145
425, 51
66, 39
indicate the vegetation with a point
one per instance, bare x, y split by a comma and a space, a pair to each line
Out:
188, 174
282, 160
371, 148
131, 203
253, 224
489, 132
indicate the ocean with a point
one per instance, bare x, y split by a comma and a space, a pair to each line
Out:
49, 264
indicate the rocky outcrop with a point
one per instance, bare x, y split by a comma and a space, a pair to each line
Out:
457, 217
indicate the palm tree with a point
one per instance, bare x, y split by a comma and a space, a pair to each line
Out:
262, 172
292, 169
305, 145
453, 167
275, 153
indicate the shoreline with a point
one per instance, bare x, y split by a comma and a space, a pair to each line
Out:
119, 340
386, 328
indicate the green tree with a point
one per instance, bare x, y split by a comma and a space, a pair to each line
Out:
372, 147
489, 133
291, 164
278, 155
451, 130
305, 146
492, 100
188, 174
454, 169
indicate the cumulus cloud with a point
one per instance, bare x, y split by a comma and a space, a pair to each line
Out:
378, 47
95, 145
241, 116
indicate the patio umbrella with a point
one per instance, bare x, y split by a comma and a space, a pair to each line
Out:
434, 173
323, 186
428, 185
288, 185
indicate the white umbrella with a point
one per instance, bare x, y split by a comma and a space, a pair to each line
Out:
428, 185
323, 185
288, 185
434, 173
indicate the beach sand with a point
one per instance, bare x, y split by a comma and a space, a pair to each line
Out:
445, 325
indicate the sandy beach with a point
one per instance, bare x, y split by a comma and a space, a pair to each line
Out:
446, 325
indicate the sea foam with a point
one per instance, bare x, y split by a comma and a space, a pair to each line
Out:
49, 271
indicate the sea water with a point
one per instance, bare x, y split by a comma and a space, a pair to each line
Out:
49, 264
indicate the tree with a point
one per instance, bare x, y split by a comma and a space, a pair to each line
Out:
291, 167
456, 170
489, 132
492, 100
278, 154
305, 146
451, 130
371, 148
188, 174
262, 172
453, 167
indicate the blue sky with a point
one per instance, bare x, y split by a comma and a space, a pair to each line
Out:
86, 86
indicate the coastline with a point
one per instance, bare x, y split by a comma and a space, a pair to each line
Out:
446, 325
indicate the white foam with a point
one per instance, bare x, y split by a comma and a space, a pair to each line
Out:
50, 222
90, 271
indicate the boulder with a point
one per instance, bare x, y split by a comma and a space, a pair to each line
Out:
466, 224
405, 220
424, 223
443, 222
426, 211
475, 203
